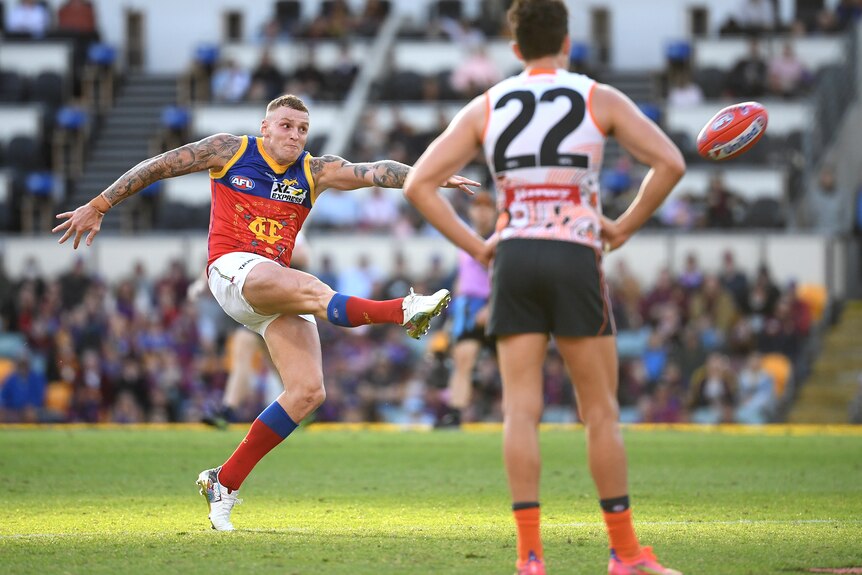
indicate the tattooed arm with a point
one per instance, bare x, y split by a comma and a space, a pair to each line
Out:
335, 172
211, 153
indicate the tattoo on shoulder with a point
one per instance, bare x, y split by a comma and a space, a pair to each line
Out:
321, 163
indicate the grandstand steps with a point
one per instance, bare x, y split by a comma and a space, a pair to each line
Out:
123, 138
834, 381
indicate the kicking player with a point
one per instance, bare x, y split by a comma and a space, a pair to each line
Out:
262, 191
543, 135
469, 314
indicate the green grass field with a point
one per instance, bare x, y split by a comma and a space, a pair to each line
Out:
82, 501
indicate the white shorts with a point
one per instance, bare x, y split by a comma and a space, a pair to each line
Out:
226, 276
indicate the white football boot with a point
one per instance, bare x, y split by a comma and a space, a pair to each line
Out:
219, 499
419, 309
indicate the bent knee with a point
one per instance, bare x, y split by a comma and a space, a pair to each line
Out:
312, 396
601, 416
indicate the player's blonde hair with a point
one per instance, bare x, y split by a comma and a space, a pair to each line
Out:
287, 101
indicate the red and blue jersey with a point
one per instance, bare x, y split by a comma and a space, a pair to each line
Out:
258, 205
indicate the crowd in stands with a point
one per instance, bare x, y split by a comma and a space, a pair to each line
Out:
695, 346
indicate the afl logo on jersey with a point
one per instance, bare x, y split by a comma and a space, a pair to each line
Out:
242, 182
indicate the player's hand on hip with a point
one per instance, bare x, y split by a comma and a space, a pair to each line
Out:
485, 256
83, 220
613, 236
461, 183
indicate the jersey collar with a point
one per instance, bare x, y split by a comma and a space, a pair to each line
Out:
270, 160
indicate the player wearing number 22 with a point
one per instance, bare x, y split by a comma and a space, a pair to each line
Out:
262, 190
543, 135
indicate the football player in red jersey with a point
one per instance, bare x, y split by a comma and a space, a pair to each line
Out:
543, 133
262, 190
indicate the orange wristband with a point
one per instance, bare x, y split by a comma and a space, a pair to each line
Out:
100, 203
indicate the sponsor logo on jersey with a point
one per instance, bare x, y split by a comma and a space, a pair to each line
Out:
286, 191
265, 229
242, 182
722, 121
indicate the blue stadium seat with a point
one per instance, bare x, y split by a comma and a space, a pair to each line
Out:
101, 54
175, 118
207, 54
71, 118
580, 52
651, 111
40, 184
678, 51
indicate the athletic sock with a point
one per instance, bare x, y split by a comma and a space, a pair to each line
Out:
529, 538
270, 428
349, 311
621, 529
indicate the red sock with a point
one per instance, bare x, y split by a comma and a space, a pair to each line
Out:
364, 311
621, 533
259, 441
529, 538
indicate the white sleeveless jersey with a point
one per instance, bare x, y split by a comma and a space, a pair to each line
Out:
545, 152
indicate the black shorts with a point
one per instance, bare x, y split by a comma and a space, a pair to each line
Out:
549, 286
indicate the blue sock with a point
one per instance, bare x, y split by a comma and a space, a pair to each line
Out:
277, 419
336, 311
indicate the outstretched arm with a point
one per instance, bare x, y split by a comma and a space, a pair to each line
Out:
207, 154
336, 172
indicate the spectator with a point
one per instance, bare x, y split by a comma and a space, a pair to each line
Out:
475, 74
715, 302
337, 210
787, 74
684, 92
28, 19
733, 280
679, 211
22, 395
361, 278
230, 83
327, 273
379, 211
756, 16
721, 204
334, 21
826, 210
266, 79
848, 12
756, 402
747, 78
462, 32
373, 15
712, 394
75, 284
763, 296
691, 277
79, 18
309, 75
340, 77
